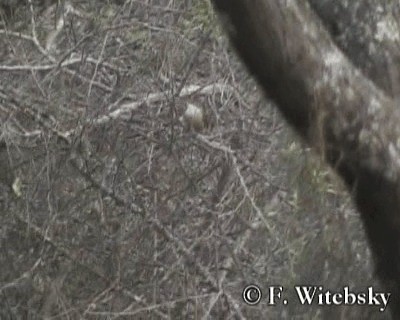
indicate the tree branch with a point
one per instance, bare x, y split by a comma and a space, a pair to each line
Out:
333, 106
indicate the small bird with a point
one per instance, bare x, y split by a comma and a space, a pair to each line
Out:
193, 118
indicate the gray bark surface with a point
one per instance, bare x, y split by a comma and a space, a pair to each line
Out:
329, 67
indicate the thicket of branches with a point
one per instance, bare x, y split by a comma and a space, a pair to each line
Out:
111, 207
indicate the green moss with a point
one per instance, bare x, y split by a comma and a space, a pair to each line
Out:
200, 16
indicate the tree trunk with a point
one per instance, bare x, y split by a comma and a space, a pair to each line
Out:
346, 110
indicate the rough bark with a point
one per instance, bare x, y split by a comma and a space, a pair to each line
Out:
367, 31
334, 85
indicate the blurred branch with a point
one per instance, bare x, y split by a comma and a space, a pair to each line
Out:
124, 110
351, 122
